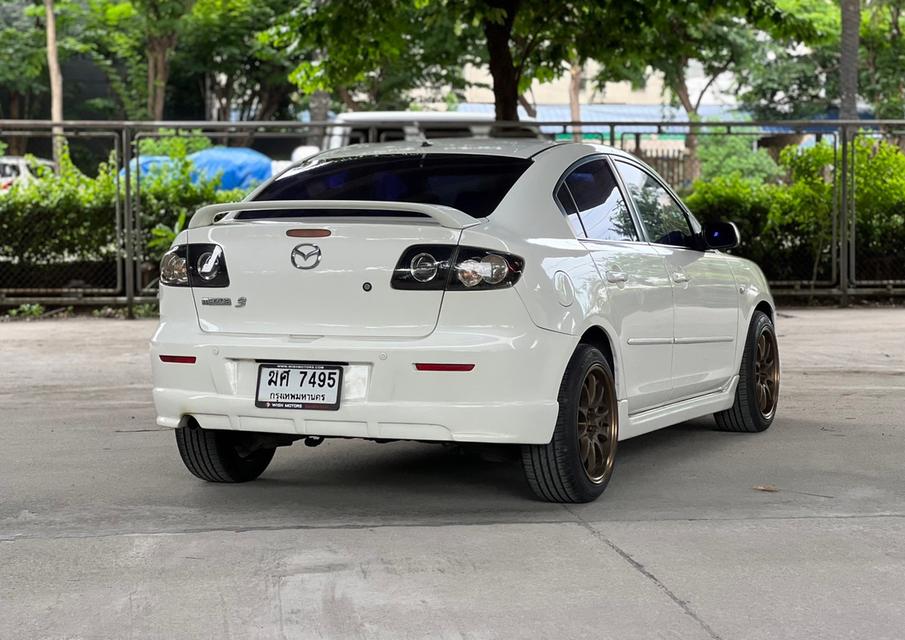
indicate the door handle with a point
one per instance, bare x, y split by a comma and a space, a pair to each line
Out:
616, 276
679, 277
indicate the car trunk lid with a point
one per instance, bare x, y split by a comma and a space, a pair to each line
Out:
325, 277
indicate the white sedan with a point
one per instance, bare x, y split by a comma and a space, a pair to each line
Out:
555, 296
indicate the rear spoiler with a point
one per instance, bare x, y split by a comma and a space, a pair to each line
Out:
445, 216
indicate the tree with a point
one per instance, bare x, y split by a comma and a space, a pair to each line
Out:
398, 46
527, 40
133, 42
800, 77
24, 55
56, 80
576, 77
848, 64
882, 58
162, 22
719, 36
803, 78
34, 40
402, 45
221, 48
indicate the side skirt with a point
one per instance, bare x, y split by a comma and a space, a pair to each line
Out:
666, 416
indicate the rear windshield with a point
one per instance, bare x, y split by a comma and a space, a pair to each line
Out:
471, 183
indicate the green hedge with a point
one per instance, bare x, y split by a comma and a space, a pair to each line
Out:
72, 217
787, 226
786, 223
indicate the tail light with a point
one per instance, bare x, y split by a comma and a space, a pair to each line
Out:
439, 267
195, 265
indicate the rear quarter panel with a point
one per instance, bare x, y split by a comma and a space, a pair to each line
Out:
561, 287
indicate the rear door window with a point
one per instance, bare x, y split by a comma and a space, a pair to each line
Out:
474, 184
601, 207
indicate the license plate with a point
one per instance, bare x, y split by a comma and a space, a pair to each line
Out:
299, 386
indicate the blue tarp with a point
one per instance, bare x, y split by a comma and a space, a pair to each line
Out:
237, 167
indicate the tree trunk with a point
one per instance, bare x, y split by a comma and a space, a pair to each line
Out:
502, 67
692, 168
848, 63
17, 144
575, 78
159, 48
318, 108
527, 105
56, 81
346, 98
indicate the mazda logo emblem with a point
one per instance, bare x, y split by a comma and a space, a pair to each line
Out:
305, 256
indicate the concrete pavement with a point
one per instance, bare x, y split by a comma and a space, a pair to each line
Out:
103, 534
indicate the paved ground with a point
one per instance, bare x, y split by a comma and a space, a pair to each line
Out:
103, 534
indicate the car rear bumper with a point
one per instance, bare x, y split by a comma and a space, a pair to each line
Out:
509, 396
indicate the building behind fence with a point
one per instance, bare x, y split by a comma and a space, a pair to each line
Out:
101, 254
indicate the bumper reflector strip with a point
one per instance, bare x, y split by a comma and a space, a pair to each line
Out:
178, 359
442, 366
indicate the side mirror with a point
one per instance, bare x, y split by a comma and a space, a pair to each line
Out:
720, 235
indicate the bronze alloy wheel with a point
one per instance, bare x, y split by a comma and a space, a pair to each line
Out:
597, 424
766, 372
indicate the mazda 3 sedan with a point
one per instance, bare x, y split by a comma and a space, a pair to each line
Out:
558, 297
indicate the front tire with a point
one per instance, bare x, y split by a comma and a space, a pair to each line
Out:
578, 462
217, 456
757, 394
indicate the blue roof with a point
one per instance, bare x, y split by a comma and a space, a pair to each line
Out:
613, 113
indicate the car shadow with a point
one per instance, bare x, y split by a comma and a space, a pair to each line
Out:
363, 481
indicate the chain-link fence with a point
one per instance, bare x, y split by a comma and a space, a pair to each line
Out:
833, 224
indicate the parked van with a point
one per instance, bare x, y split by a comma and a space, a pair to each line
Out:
389, 126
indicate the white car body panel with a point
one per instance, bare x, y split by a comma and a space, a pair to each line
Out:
676, 347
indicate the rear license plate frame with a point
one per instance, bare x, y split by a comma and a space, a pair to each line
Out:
299, 405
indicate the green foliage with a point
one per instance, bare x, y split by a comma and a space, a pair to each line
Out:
882, 57
787, 227
879, 203
2, 147
21, 49
169, 197
149, 310
399, 45
175, 143
132, 41
220, 44
163, 235
743, 201
72, 217
801, 78
56, 217
726, 155
26, 311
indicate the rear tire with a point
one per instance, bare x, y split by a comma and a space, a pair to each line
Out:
757, 394
578, 462
214, 455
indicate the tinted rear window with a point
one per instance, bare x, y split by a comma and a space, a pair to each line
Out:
471, 183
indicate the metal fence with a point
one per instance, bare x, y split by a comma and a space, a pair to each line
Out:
42, 246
